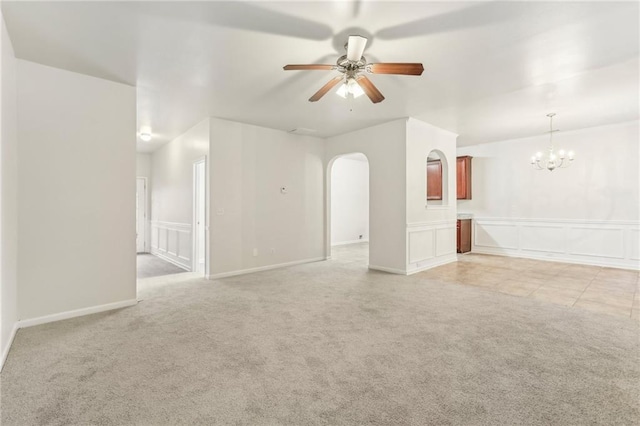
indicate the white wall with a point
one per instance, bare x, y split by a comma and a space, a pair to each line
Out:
172, 194
8, 194
143, 165
350, 200
249, 165
385, 148
431, 229
76, 192
587, 213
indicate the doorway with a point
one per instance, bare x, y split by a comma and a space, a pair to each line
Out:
141, 215
199, 216
349, 209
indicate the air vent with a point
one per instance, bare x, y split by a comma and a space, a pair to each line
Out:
302, 131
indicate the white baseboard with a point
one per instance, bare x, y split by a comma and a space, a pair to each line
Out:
75, 313
547, 258
5, 352
345, 243
433, 264
170, 260
264, 268
389, 270
425, 265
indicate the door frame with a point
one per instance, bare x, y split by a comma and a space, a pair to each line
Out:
146, 204
327, 197
194, 206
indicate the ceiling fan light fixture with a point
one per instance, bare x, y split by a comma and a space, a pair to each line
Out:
354, 88
353, 66
350, 87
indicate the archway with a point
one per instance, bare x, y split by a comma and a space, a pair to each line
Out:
348, 208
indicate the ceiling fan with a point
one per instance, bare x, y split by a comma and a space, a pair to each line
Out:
354, 66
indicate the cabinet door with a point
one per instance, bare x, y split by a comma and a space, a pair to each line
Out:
463, 178
464, 230
434, 180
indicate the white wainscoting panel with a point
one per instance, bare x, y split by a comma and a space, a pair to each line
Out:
543, 238
430, 244
445, 241
603, 243
162, 237
172, 242
421, 245
596, 242
634, 244
184, 245
497, 235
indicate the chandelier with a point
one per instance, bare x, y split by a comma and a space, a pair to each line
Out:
551, 160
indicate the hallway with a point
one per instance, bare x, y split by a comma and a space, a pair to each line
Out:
148, 265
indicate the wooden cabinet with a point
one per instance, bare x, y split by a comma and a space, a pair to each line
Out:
434, 180
463, 178
464, 235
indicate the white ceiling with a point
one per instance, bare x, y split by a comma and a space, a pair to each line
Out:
493, 70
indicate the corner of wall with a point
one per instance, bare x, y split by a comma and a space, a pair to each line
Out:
52, 179
7, 345
430, 230
8, 194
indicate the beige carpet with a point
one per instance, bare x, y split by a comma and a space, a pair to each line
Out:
327, 343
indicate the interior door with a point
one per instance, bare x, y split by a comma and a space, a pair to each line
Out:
141, 214
199, 209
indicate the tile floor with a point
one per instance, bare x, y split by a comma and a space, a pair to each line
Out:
603, 290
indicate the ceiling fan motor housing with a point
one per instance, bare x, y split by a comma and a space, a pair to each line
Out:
345, 65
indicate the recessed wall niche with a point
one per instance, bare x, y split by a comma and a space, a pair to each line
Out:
436, 177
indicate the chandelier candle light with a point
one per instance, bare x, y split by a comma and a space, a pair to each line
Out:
551, 160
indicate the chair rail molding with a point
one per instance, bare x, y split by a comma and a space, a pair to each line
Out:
612, 243
172, 242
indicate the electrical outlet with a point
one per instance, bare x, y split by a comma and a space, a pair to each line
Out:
255, 252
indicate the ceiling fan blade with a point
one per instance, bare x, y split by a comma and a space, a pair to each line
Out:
396, 68
355, 47
324, 89
309, 67
372, 91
